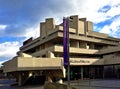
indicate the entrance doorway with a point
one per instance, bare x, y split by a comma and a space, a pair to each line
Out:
85, 72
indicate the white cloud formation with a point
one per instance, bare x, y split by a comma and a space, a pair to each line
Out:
33, 31
8, 50
105, 29
2, 27
113, 28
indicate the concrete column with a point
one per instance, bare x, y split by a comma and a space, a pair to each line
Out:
50, 54
20, 79
49, 24
74, 22
77, 44
74, 44
83, 44
42, 30
113, 70
103, 73
91, 46
81, 73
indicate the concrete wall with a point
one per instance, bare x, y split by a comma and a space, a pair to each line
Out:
46, 27
10, 65
26, 63
89, 25
76, 50
113, 58
81, 27
89, 39
43, 52
73, 23
42, 30
78, 24
97, 34
109, 50
49, 24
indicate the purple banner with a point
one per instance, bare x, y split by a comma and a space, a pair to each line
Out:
65, 41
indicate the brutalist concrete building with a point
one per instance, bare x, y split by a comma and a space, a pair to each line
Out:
92, 54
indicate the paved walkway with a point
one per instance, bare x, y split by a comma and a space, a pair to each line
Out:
6, 84
79, 84
96, 84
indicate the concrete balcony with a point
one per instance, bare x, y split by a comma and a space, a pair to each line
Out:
88, 39
43, 51
60, 35
111, 61
60, 50
27, 63
101, 35
76, 50
110, 50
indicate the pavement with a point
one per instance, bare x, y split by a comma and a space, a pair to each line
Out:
96, 84
78, 84
6, 84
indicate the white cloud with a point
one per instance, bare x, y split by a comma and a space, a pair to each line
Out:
115, 2
115, 10
9, 49
2, 27
105, 29
33, 31
113, 28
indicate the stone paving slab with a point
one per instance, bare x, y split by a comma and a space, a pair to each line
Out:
96, 84
79, 84
6, 84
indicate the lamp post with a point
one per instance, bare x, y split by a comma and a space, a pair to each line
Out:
66, 47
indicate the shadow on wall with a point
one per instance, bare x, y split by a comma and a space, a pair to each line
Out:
34, 80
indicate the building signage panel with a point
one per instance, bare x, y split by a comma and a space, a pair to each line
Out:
65, 41
79, 61
85, 62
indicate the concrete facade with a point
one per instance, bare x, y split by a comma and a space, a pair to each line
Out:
87, 48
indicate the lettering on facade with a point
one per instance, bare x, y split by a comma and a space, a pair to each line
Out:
79, 61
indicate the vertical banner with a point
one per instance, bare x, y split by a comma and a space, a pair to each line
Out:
65, 41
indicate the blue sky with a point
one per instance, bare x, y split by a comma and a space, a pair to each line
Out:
19, 19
